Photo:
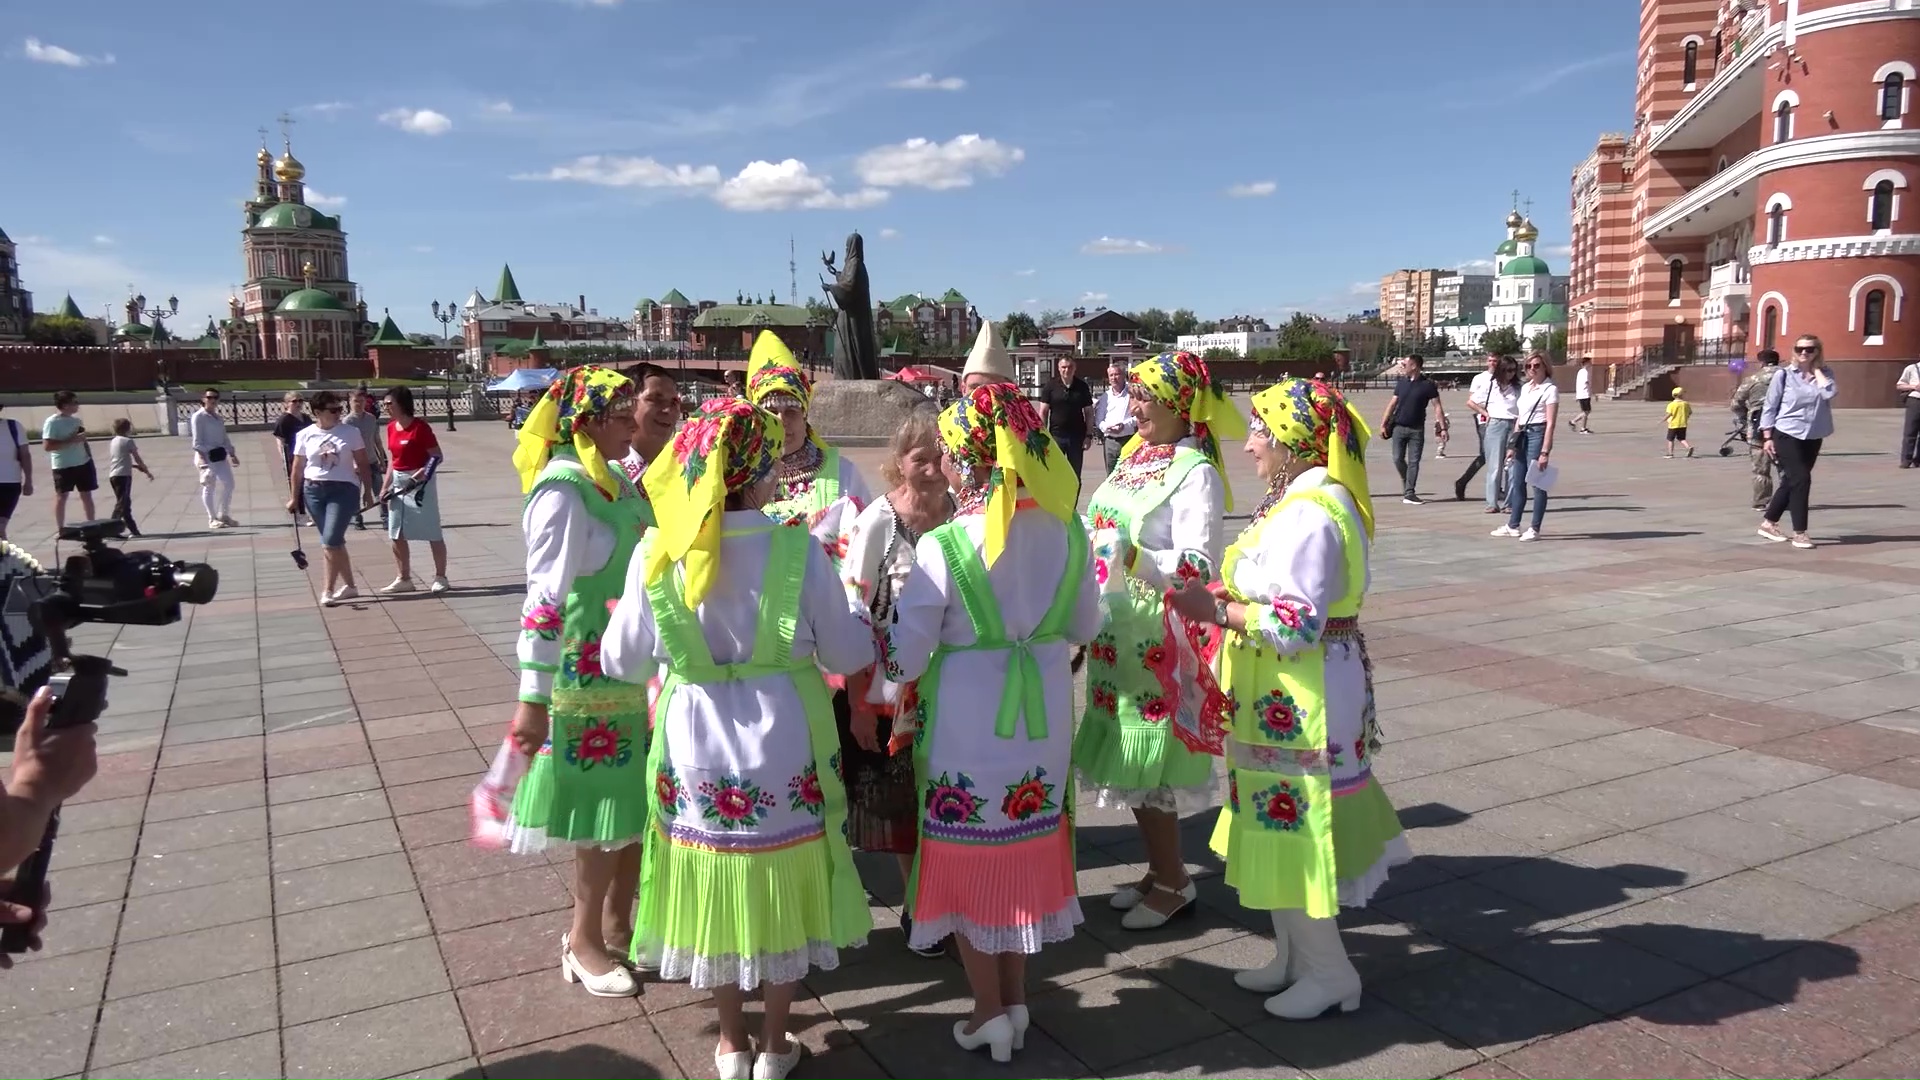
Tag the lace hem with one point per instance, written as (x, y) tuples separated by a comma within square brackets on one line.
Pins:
[(1052, 929), (1171, 800), (529, 840), (1358, 891), (746, 972)]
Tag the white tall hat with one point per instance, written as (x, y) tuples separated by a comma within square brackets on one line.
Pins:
[(989, 356)]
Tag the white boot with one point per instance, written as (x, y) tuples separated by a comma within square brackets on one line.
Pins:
[(1326, 976), (1279, 972)]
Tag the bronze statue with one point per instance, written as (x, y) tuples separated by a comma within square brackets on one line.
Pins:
[(857, 357)]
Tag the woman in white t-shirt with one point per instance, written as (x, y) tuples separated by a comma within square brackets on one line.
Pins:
[(330, 467), (16, 469), (1537, 409)]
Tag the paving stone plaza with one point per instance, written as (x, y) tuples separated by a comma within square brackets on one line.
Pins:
[(1662, 779)]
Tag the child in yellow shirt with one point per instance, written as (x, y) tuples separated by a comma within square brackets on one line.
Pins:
[(1679, 411)]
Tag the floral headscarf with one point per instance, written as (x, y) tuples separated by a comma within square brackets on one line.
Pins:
[(729, 446), (578, 395), (996, 426), (775, 379), (1320, 427), (1181, 382)]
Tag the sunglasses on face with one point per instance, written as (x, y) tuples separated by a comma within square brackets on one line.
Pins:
[(1806, 350)]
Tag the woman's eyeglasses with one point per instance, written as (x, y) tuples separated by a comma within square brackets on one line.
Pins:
[(1806, 350)]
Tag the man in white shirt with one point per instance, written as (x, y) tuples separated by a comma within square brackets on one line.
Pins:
[(213, 456), (1111, 415), (1477, 393), (1583, 395), (1909, 387)]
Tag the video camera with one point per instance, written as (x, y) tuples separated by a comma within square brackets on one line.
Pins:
[(38, 607)]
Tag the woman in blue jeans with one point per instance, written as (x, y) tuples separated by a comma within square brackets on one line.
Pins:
[(1496, 403), (330, 468), (1538, 409)]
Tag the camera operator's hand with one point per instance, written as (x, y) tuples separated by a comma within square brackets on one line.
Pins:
[(34, 918), (530, 727), (49, 767)]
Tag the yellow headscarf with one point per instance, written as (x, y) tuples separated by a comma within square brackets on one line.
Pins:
[(579, 394), (1321, 427), (773, 374), (1181, 382), (729, 446), (997, 427)]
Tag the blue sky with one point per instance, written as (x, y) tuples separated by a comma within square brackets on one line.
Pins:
[(1249, 157)]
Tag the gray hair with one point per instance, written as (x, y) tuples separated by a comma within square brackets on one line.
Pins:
[(921, 428)]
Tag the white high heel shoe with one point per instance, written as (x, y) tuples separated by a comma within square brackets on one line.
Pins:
[(1021, 1021), (615, 983), (1278, 974), (996, 1035), (1128, 897), (1143, 917), (1327, 976)]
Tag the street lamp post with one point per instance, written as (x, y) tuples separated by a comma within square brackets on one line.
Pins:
[(446, 317), (159, 315)]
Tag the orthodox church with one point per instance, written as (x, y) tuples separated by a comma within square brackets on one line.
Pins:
[(298, 302), (1527, 297)]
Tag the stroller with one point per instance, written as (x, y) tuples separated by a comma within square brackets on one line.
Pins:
[(1744, 428)]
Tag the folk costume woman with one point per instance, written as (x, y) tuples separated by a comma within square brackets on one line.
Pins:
[(1307, 829), (986, 621), (586, 733), (749, 880), (1153, 726), (817, 486)]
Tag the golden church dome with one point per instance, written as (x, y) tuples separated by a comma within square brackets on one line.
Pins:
[(1527, 231), (288, 168), (1514, 220), (264, 157)]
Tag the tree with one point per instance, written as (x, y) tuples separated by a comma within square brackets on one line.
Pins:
[(61, 330), (1155, 325), (1183, 323), (1020, 325), (1433, 345), (1501, 341), (1551, 342), (1301, 339), (1048, 318), (1220, 352)]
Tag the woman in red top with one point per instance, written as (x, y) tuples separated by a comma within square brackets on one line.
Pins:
[(413, 507)]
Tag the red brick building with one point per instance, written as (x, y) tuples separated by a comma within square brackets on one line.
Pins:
[(1598, 303), (1771, 165)]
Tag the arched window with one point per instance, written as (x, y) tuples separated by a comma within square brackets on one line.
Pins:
[(1770, 326), (1783, 105), (1690, 66), (1880, 208), (1891, 95), (1776, 224), (1675, 270), (1874, 315)]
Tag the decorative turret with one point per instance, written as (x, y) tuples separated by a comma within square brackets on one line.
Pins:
[(507, 292), (69, 309)]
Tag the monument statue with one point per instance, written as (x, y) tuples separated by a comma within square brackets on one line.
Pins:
[(857, 357)]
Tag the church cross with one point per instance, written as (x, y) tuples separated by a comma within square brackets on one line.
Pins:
[(263, 135), (1528, 203), (286, 124), (1516, 198)]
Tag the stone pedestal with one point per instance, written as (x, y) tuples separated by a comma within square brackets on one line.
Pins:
[(862, 410)]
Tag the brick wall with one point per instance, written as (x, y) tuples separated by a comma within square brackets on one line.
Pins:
[(33, 368)]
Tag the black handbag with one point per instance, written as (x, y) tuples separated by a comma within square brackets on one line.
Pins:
[(1515, 441), (218, 453)]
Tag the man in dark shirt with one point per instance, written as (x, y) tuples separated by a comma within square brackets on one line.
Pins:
[(1066, 404), (1405, 423)]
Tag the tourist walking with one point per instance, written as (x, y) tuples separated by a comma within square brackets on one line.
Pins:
[(123, 457), (1066, 407), (1113, 414), (587, 734), (1583, 396), (998, 597), (1405, 422), (365, 419), (1796, 420), (16, 470), (1909, 388), (1152, 725), (1679, 411), (878, 717), (411, 496), (330, 477), (213, 459), (818, 486), (292, 420), (1538, 409), (1749, 398), (69, 458), (750, 882), (1307, 829), (1491, 393)]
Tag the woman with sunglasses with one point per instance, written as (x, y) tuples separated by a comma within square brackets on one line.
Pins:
[(1538, 409), (328, 473), (1796, 419)]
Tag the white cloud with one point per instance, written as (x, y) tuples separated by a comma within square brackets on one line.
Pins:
[(1257, 190), (325, 202), (103, 240), (417, 121), (936, 166), (608, 170), (926, 81), (1364, 288), (1029, 272), (1475, 266), (43, 53), (98, 279), (789, 185), (1116, 245), (424, 249), (326, 108), (498, 108), (1559, 251), (1031, 301), (889, 233), (1093, 297)]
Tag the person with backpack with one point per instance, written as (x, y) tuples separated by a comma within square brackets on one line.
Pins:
[(16, 469)]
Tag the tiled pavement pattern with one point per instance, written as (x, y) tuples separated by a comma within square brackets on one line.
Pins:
[(1663, 780)]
